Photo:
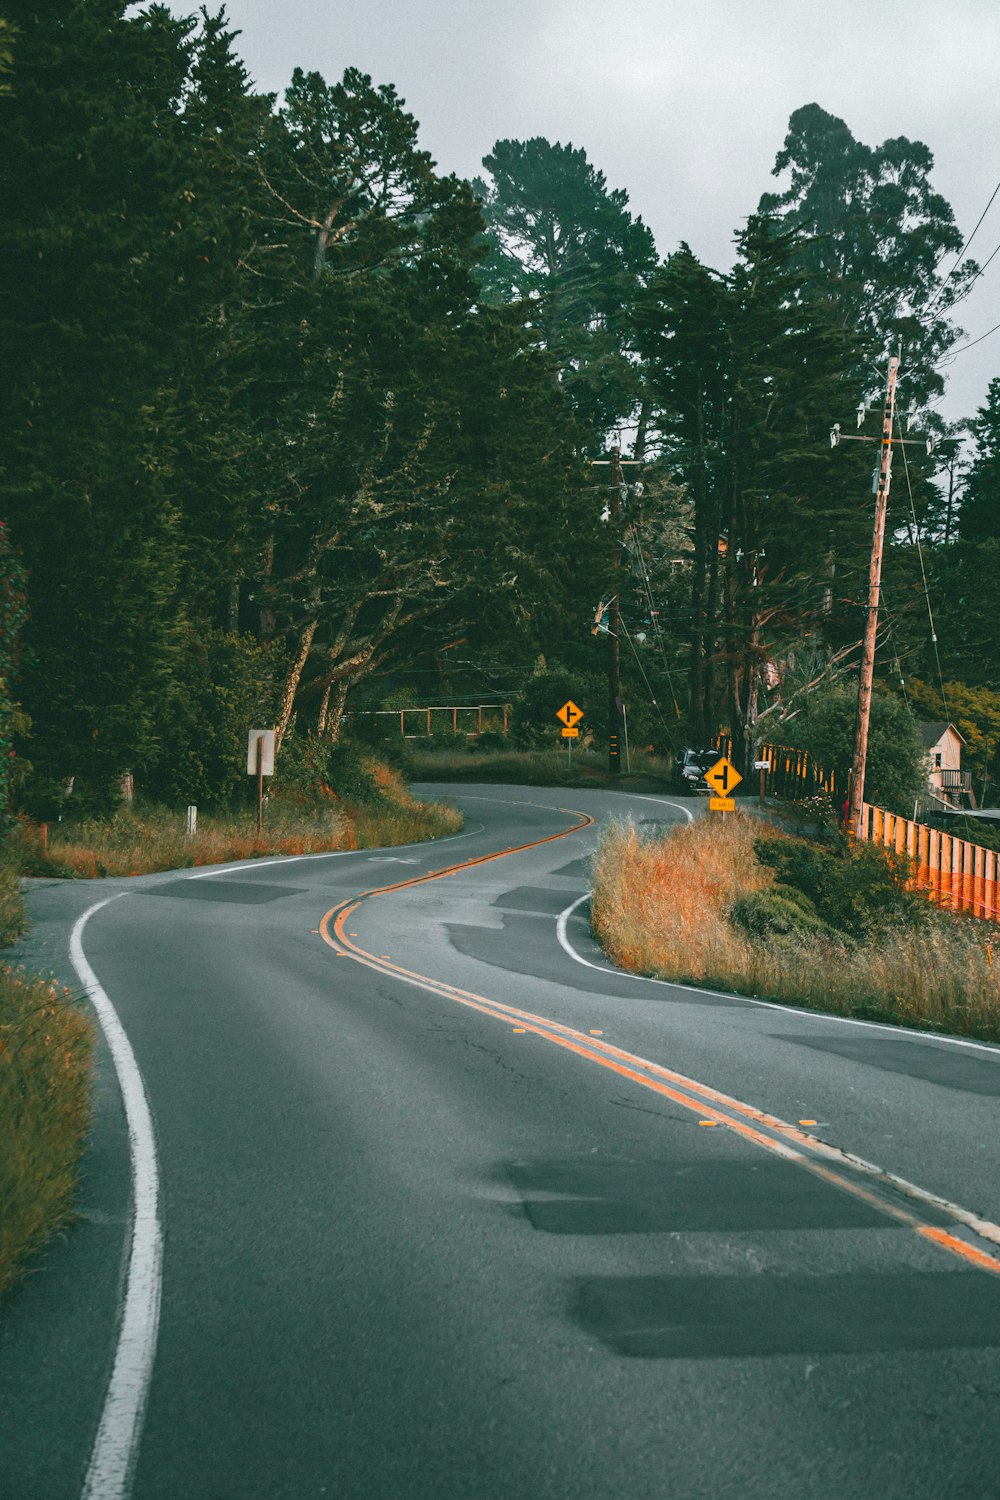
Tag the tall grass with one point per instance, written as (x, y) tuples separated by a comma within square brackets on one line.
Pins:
[(46, 1044), (660, 907), (140, 841)]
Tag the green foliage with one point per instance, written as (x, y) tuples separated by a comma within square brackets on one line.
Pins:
[(224, 685), (824, 725), (742, 374), (312, 769), (876, 236), (13, 611), (979, 518), (534, 722), (858, 890), (778, 911), (567, 249)]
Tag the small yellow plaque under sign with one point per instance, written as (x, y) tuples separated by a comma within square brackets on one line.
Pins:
[(722, 804), (571, 734)]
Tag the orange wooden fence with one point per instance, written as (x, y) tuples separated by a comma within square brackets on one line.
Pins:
[(963, 876)]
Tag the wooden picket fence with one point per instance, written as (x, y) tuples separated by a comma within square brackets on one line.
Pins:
[(791, 773), (955, 873)]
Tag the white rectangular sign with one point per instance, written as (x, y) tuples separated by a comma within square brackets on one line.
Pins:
[(265, 738)]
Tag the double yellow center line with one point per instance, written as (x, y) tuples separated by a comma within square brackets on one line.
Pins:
[(764, 1130)]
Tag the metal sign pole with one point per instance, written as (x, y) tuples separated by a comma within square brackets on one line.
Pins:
[(260, 786)]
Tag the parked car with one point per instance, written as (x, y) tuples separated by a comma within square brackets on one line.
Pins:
[(689, 769)]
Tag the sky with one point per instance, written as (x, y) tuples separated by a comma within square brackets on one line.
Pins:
[(683, 103)]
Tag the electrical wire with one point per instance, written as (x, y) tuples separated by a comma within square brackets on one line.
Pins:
[(653, 613), (923, 573), (963, 250), (954, 353), (642, 669)]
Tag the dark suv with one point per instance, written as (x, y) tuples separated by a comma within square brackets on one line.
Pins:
[(690, 767)]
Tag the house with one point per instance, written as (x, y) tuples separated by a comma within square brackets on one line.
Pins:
[(946, 781)]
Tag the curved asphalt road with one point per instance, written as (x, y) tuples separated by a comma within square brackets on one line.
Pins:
[(443, 1218)]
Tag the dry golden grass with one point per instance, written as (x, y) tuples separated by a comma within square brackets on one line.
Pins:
[(46, 1044), (140, 842), (660, 907)]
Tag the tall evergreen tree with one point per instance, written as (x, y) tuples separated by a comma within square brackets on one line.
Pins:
[(568, 248), (875, 234), (979, 518)]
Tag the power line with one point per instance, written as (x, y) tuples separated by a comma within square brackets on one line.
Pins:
[(953, 353), (963, 250), (923, 573)]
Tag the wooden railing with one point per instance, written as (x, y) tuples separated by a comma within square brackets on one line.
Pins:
[(956, 874)]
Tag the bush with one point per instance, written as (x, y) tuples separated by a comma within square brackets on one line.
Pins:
[(778, 911), (856, 889)]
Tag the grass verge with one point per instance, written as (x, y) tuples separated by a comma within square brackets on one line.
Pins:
[(46, 1046), (527, 767), (661, 906), (140, 841)]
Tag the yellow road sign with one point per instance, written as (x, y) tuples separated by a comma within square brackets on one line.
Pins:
[(723, 777), (569, 713), (721, 804), (571, 734)]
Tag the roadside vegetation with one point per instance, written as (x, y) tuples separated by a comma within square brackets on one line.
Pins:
[(736, 905), (46, 1036), (348, 800), (46, 1048), (538, 767)]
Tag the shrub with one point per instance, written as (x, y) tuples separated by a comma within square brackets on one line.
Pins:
[(856, 889), (777, 911)]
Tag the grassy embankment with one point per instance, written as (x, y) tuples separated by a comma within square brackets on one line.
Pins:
[(696, 906), (47, 1036), (443, 761), (140, 841)]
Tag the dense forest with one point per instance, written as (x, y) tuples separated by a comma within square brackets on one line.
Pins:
[(296, 426)]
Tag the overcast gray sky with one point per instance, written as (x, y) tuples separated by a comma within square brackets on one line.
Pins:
[(683, 103)]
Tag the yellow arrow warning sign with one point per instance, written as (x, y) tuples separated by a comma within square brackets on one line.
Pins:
[(723, 777), (569, 713)]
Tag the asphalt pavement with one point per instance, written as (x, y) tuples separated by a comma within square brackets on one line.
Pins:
[(446, 1207)]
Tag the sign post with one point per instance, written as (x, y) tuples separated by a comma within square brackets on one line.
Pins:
[(260, 763), (570, 716)]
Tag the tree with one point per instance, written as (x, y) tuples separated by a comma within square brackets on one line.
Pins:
[(120, 244), (874, 237), (743, 372), (568, 249), (411, 452), (895, 772), (979, 517)]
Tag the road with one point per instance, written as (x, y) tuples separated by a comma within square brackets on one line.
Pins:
[(445, 1207)]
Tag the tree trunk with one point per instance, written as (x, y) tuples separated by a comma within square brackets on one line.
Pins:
[(292, 682)]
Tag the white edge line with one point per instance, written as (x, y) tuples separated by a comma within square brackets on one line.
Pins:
[(292, 859), (793, 1010), (116, 1444), (983, 1227)]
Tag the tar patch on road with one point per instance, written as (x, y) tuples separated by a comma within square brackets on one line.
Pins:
[(541, 899), (733, 1317), (239, 892), (951, 1068), (722, 1197)]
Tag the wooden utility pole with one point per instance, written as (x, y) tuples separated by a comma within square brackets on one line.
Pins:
[(874, 591), (614, 623)]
